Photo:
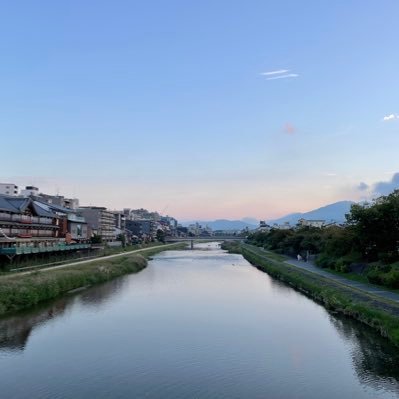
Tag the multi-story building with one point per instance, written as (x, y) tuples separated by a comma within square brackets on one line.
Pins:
[(198, 230), (263, 227), (8, 189), (70, 203), (143, 214), (120, 220), (311, 223), (26, 227), (72, 226), (30, 191), (142, 228), (100, 221)]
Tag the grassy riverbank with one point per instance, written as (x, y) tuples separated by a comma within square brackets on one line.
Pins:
[(382, 315), (23, 291)]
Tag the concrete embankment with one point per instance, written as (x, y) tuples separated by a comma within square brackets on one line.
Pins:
[(380, 314), (24, 290)]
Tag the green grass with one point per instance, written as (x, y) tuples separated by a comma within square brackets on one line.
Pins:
[(381, 315), (23, 291), (233, 247)]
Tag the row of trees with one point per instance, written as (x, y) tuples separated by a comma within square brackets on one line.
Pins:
[(370, 236)]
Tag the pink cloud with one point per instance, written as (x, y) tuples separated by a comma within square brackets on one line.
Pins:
[(289, 128)]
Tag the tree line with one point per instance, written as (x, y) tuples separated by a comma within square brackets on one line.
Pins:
[(367, 244)]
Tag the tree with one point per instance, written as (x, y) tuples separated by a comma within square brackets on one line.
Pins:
[(122, 238), (161, 235), (96, 239), (376, 227)]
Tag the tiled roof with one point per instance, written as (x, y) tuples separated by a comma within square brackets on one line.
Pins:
[(19, 205), (13, 204)]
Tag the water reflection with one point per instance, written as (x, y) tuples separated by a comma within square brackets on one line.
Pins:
[(375, 360), (194, 324), (15, 330)]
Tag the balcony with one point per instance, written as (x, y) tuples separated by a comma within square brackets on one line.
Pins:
[(25, 219)]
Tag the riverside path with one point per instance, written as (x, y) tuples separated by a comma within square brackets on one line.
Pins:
[(370, 289), (97, 259)]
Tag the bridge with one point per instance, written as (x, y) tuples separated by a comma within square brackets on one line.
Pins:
[(211, 238), (191, 240)]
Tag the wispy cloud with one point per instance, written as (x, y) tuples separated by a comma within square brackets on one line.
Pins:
[(288, 75), (390, 117), (278, 71)]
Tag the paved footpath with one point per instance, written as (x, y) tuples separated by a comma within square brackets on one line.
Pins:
[(369, 288), (98, 259)]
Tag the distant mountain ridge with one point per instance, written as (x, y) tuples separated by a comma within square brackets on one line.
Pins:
[(335, 212), (224, 224)]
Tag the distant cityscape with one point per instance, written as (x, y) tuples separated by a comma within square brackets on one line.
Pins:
[(33, 222)]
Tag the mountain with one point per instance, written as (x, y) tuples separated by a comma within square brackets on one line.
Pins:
[(224, 224), (252, 221), (335, 211)]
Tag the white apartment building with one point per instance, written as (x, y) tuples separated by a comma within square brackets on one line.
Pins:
[(8, 189)]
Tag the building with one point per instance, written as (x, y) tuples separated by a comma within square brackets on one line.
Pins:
[(8, 189), (263, 227), (120, 220), (26, 228), (30, 191), (284, 226), (142, 228), (197, 230), (143, 214), (100, 222), (69, 203), (311, 223), (72, 226)]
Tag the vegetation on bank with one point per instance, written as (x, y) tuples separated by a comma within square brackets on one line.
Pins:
[(233, 247), (382, 315), (367, 245), (23, 291), (37, 261)]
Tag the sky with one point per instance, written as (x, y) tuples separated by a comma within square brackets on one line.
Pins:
[(202, 110)]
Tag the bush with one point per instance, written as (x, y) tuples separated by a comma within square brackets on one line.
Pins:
[(388, 257), (391, 279), (342, 265), (325, 261)]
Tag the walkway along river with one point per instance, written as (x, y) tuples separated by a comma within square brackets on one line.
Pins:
[(193, 324)]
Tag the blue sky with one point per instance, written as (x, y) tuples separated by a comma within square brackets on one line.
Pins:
[(154, 104)]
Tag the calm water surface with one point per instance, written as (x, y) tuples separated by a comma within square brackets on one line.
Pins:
[(194, 324)]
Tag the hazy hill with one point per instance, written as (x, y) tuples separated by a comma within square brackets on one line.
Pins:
[(335, 211)]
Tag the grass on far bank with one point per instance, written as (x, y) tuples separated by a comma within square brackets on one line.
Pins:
[(23, 291)]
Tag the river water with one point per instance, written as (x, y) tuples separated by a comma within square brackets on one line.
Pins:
[(194, 324)]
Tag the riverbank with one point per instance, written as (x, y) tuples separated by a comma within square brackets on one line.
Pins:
[(24, 290), (382, 315)]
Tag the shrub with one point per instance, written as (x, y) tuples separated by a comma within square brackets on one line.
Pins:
[(391, 279)]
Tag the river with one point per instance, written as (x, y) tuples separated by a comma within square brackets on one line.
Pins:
[(194, 324)]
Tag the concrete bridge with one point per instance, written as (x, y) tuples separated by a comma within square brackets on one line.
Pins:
[(212, 238), (191, 240)]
